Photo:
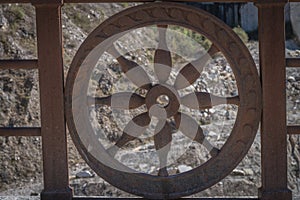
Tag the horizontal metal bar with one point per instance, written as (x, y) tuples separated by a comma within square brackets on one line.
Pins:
[(18, 64), (105, 1), (293, 62), (109, 198), (15, 1), (20, 131), (293, 130), (116, 1)]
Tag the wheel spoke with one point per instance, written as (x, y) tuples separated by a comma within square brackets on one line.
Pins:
[(190, 128), (204, 100), (136, 127), (121, 100), (191, 71), (162, 56), (162, 141), (135, 73)]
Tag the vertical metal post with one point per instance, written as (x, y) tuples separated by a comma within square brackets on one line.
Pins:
[(273, 126), (51, 80)]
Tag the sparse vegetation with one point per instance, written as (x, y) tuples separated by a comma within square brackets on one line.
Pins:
[(241, 33), (85, 17), (17, 26), (18, 11), (200, 39)]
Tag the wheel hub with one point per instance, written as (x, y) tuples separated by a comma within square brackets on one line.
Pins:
[(162, 101)]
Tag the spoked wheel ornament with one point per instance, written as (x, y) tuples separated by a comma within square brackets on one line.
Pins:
[(162, 100)]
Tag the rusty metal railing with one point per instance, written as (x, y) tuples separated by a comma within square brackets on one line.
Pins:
[(20, 131), (293, 62), (18, 64), (293, 130)]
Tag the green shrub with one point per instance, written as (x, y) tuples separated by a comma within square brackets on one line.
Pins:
[(203, 41), (18, 11), (241, 33)]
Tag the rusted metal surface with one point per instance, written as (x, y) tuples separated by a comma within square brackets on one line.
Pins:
[(20, 131), (53, 130), (273, 125), (18, 64), (15, 1), (109, 1), (293, 62), (293, 130), (116, 1), (120, 1), (223, 161), (111, 198)]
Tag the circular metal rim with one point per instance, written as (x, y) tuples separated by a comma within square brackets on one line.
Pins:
[(247, 121)]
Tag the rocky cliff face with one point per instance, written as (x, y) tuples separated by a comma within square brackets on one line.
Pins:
[(20, 157)]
